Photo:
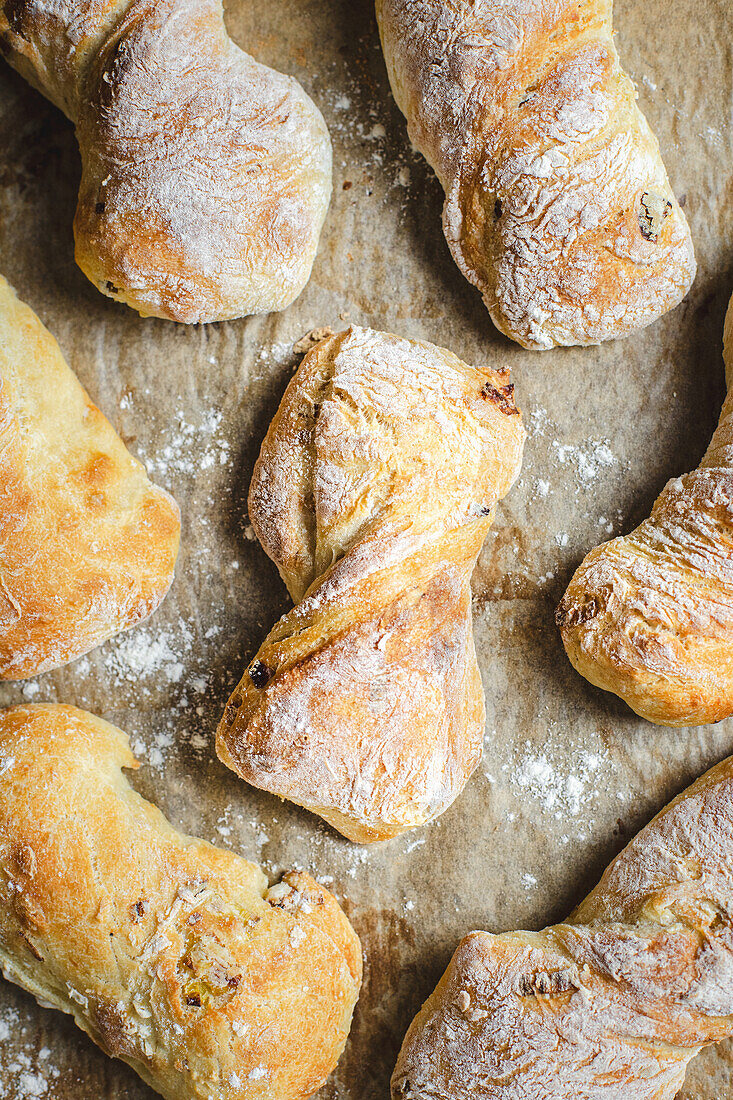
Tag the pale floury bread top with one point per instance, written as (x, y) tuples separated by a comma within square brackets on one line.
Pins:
[(87, 544), (558, 207), (613, 1003), (374, 490), (206, 176), (172, 954)]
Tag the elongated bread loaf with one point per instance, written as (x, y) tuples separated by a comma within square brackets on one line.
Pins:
[(205, 175), (649, 615), (87, 544), (373, 493), (610, 1005), (171, 954), (558, 207)]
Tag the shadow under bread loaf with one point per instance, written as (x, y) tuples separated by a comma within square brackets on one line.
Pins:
[(649, 615), (173, 955), (374, 490), (558, 207), (613, 1003), (205, 176), (87, 544)]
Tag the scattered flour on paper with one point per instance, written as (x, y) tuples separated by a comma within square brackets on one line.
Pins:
[(589, 458), (563, 779), (347, 128), (24, 1076), (190, 447)]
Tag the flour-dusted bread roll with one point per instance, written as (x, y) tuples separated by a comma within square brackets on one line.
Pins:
[(610, 1005), (87, 544), (558, 207), (373, 492), (205, 175), (649, 615), (171, 954)]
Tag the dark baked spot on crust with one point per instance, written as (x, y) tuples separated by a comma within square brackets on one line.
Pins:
[(502, 397), (13, 12), (569, 615), (654, 209), (112, 1032), (139, 910), (259, 674), (32, 948)]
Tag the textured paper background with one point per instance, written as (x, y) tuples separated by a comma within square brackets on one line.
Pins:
[(569, 774)]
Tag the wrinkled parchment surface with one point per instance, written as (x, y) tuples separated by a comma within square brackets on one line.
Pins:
[(569, 774)]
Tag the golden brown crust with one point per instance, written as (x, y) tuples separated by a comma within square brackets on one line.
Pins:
[(87, 544), (172, 954), (611, 1004), (373, 492), (558, 207), (649, 616), (205, 175)]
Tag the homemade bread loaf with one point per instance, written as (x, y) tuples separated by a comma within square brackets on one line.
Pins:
[(87, 544), (205, 175), (173, 955), (649, 615), (558, 207), (373, 493), (613, 1003)]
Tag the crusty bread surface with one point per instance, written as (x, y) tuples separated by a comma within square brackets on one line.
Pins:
[(613, 1003), (373, 492), (87, 544), (173, 955), (649, 615), (558, 206), (206, 176)]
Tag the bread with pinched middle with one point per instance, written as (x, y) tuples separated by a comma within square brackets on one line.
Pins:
[(87, 544), (558, 207), (206, 176), (611, 1004), (173, 955), (373, 493)]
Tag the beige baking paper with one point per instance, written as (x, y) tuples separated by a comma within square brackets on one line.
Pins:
[(568, 774)]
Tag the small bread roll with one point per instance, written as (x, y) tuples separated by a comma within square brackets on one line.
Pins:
[(611, 1004), (649, 615), (87, 544), (171, 954), (375, 488), (558, 206), (205, 176)]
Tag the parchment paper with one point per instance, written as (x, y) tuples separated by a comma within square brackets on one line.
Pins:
[(569, 774)]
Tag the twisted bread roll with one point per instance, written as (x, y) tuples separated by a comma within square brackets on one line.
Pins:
[(613, 1003), (650, 616), (171, 954), (205, 175), (374, 490), (558, 207), (87, 544)]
